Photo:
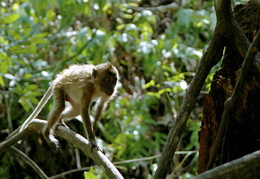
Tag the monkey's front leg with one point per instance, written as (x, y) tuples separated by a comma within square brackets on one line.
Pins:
[(89, 130), (87, 125)]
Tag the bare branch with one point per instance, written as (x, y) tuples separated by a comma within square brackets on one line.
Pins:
[(211, 56), (248, 165), (227, 23), (13, 138), (100, 159), (63, 174), (172, 6), (30, 162)]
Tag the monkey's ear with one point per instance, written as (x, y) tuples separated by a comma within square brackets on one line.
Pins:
[(94, 73), (110, 66)]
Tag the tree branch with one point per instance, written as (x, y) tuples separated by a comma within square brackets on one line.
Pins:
[(229, 26), (211, 56), (100, 159), (172, 6), (244, 167), (30, 162), (226, 31)]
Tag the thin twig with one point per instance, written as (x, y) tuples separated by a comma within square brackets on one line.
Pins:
[(172, 6), (121, 162), (30, 162), (63, 174)]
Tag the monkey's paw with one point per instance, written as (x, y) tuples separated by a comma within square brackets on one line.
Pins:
[(51, 140)]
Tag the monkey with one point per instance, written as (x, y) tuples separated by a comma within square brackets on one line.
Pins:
[(78, 86)]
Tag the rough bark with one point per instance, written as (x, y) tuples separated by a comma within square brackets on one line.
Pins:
[(242, 135)]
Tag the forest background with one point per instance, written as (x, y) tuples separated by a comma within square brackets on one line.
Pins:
[(155, 45)]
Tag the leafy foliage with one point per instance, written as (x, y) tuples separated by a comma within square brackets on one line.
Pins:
[(156, 53)]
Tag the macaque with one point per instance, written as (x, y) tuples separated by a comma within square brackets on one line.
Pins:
[(79, 86)]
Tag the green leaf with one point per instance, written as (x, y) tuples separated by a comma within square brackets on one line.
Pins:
[(89, 175), (27, 76), (2, 83), (157, 95), (3, 41), (91, 170), (120, 27), (31, 87), (128, 16), (18, 49), (149, 84), (26, 7), (16, 36), (32, 49), (50, 14), (24, 103), (33, 99), (10, 19), (38, 40), (160, 92), (133, 4), (5, 62), (41, 35), (18, 90)]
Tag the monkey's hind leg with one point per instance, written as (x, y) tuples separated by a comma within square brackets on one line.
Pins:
[(72, 110), (58, 107)]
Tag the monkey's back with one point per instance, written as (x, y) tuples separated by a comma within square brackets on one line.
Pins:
[(74, 80)]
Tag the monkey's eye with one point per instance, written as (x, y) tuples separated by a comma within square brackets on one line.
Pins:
[(111, 79)]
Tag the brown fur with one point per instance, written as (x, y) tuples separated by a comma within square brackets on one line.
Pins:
[(79, 85)]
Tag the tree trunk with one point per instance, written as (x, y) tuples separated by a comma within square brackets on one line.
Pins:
[(242, 134)]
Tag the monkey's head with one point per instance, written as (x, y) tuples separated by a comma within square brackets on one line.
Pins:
[(107, 77)]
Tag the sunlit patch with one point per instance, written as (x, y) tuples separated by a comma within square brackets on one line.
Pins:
[(183, 85)]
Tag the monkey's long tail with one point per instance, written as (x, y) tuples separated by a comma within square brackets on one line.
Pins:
[(38, 108)]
